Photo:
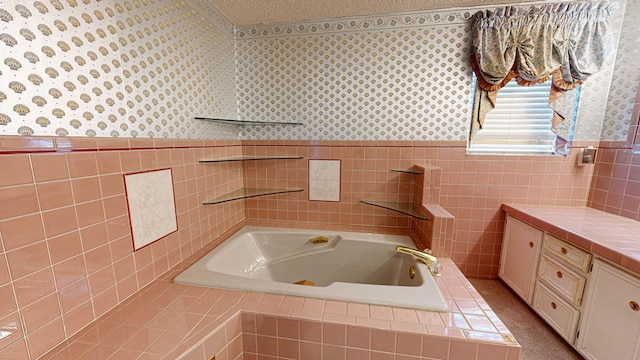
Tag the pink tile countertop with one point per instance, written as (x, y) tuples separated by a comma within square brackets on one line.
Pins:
[(613, 237), (170, 321)]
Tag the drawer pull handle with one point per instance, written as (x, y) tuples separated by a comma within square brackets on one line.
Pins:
[(553, 305), (634, 306), (530, 244), (563, 251), (559, 274)]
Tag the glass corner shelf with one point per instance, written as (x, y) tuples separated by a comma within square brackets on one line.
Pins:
[(409, 171), (245, 122), (248, 158), (404, 208), (245, 193)]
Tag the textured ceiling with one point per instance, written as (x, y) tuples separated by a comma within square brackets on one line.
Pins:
[(250, 12)]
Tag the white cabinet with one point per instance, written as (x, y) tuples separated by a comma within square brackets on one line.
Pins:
[(567, 253), (558, 313), (593, 305), (610, 327), (559, 289), (560, 285), (519, 257), (565, 282)]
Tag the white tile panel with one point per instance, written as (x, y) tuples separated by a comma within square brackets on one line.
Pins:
[(152, 209)]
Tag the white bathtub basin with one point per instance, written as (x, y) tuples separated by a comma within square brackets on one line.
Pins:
[(354, 267)]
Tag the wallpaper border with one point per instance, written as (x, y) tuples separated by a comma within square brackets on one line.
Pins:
[(438, 17)]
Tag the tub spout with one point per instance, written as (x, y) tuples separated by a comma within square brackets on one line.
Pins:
[(431, 261)]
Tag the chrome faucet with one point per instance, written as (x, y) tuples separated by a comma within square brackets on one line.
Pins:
[(428, 259)]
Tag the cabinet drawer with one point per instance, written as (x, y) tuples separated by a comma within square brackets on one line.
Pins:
[(558, 313), (567, 253), (564, 281)]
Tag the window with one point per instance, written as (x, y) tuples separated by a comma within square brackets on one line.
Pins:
[(520, 123)]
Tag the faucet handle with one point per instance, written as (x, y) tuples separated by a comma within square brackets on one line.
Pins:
[(436, 268)]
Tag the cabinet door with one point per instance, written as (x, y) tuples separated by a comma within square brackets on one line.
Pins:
[(519, 257), (610, 328)]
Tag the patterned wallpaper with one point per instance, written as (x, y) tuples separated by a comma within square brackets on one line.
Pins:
[(111, 68), (395, 77), (145, 68), (626, 77)]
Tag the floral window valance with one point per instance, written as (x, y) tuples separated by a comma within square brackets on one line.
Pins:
[(569, 41)]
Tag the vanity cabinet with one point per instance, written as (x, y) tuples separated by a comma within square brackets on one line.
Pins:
[(560, 282), (519, 257), (610, 327), (592, 304)]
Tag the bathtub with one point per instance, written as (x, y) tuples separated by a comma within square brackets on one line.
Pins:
[(352, 267)]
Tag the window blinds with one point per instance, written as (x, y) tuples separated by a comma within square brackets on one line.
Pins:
[(520, 123)]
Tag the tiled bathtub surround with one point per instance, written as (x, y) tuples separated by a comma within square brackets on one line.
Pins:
[(437, 232), (182, 322), (66, 255)]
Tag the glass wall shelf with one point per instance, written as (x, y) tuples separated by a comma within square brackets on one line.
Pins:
[(404, 208), (248, 158), (245, 193), (246, 122), (406, 171)]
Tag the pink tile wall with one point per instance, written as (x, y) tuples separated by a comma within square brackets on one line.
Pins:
[(365, 175), (66, 251), (472, 188), (436, 233), (616, 183)]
